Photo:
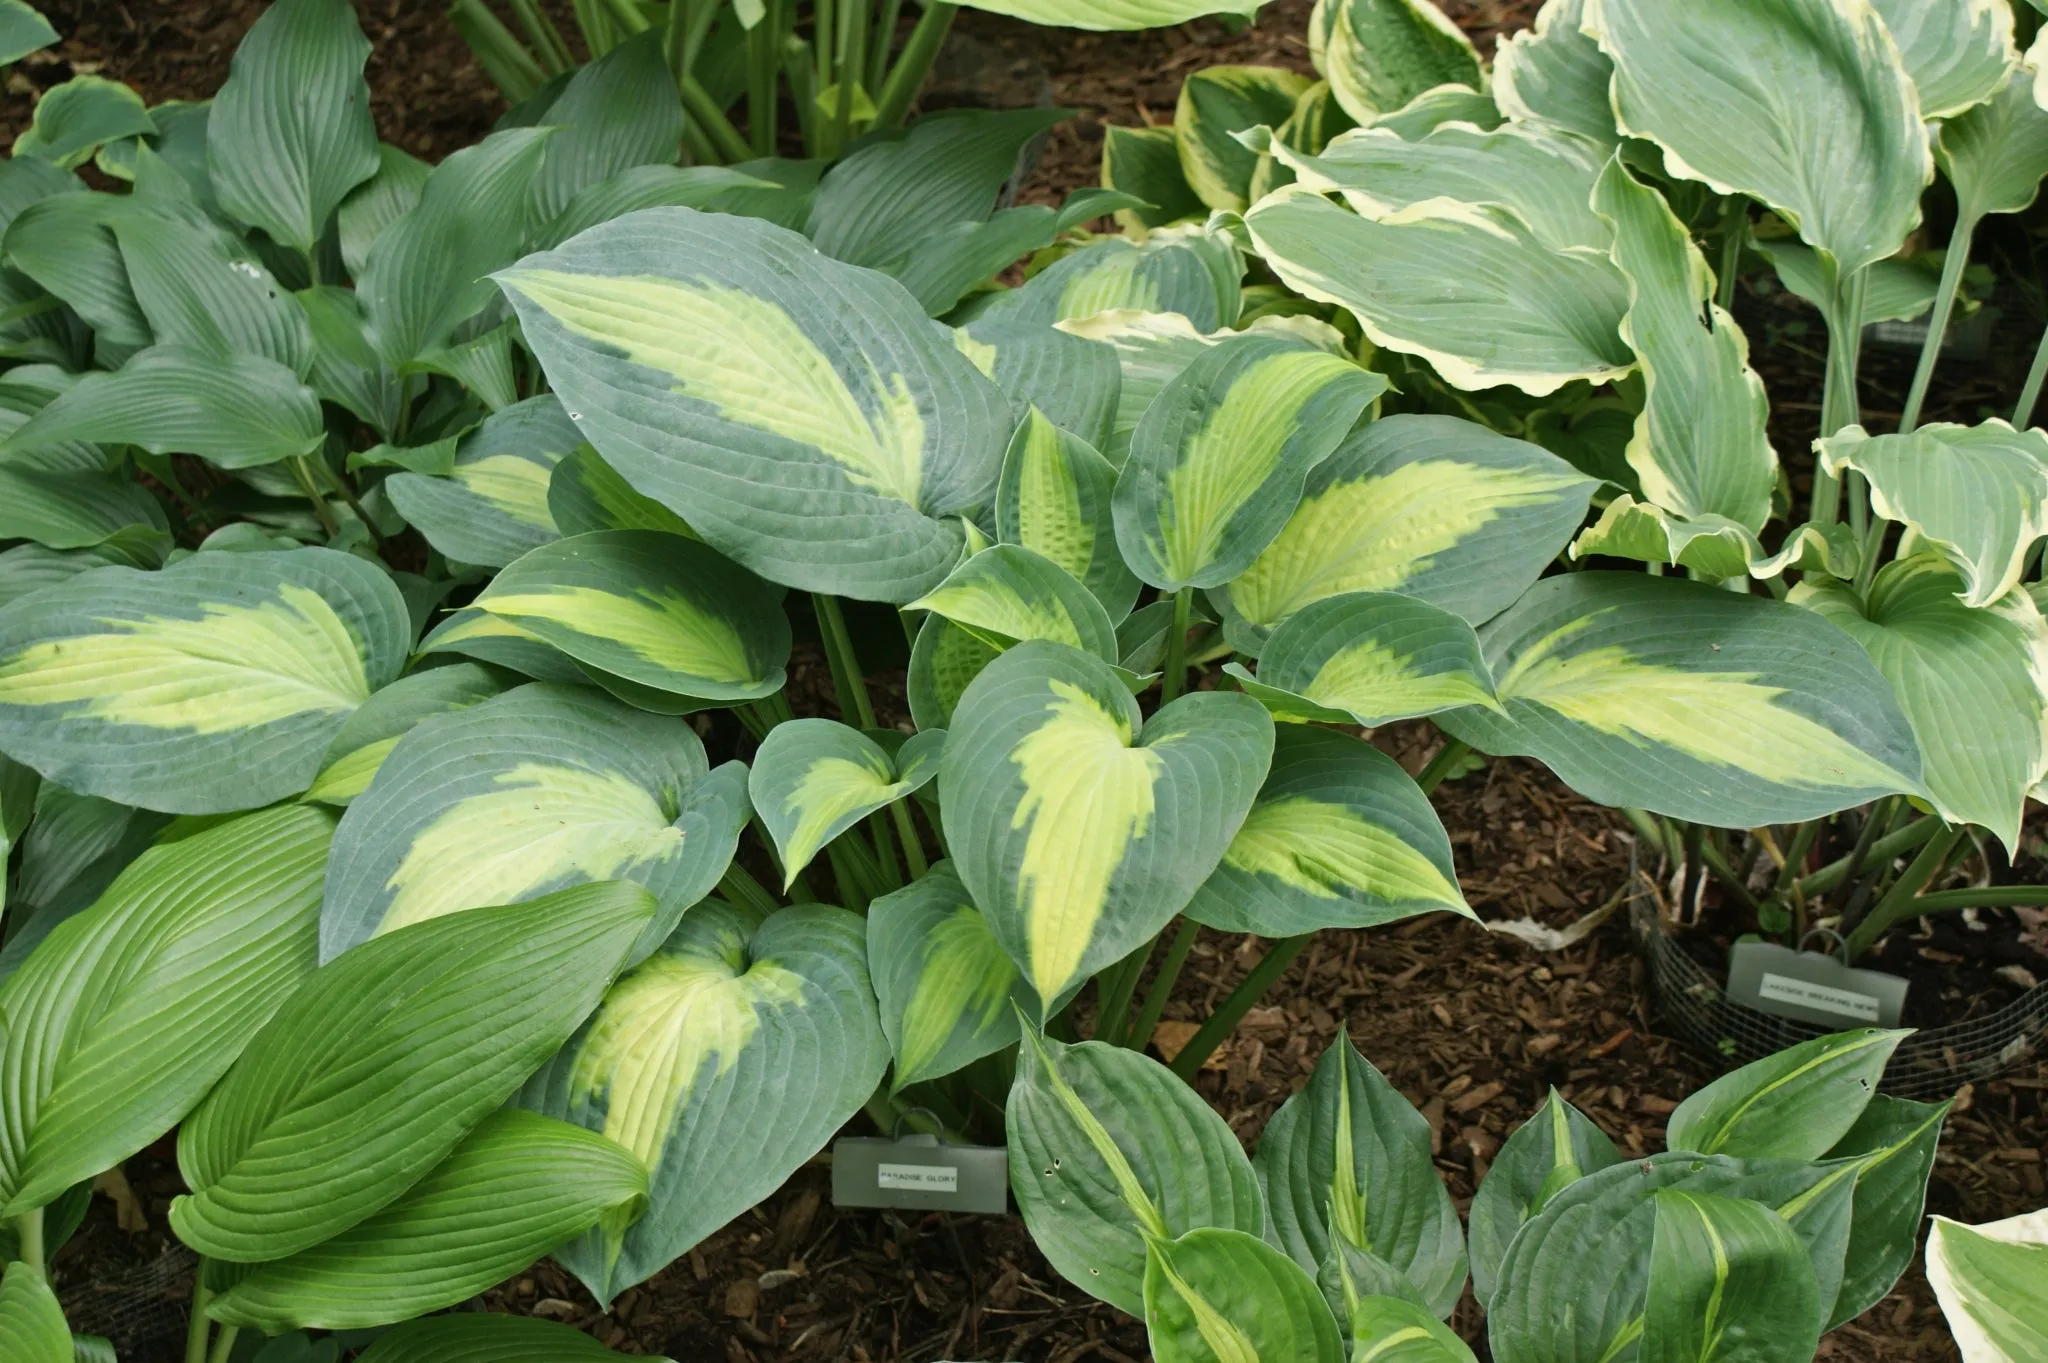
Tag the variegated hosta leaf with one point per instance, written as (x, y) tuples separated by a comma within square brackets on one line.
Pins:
[(1979, 493), (1380, 54), (1369, 658), (370, 734), (1116, 15), (1145, 161), (1216, 1296), (1957, 54), (1109, 1150), (943, 660), (1973, 682), (1054, 499), (540, 788), (1188, 270), (1008, 593), (1699, 448), (1800, 103), (1713, 546), (1988, 1280), (585, 494), (724, 1061), (1434, 507), (1042, 368), (1553, 73), (949, 995), (651, 607), (1894, 1143), (1218, 459), (1078, 835), (1347, 1159), (815, 778), (1792, 1104), (1217, 102), (1728, 1278), (210, 686), (1468, 287), (474, 633), (1695, 702), (1546, 1154), (802, 415), (493, 505), (1392, 1330), (1996, 153)]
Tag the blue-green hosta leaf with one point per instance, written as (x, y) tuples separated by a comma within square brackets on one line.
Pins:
[(478, 634), (1468, 287), (1695, 702), (723, 1061), (290, 133), (651, 607), (75, 119), (1188, 270), (1074, 384), (1895, 1141), (237, 411), (1996, 153), (203, 290), (540, 788), (69, 856), (1800, 103), (943, 660), (1713, 546), (1547, 1154), (1078, 835), (1008, 593), (1430, 506), (1729, 1283), (384, 1059), (650, 186), (1339, 837), (377, 202), (1894, 290), (946, 987), (1117, 15), (1054, 499), (1699, 448), (1390, 1330), (345, 369), (1218, 460), (1553, 73), (585, 494), (23, 30), (804, 416), (127, 1013), (1794, 1104), (1979, 493), (1369, 658), (1217, 102), (1216, 1296), (1988, 1281), (1957, 55), (63, 243), (813, 779), (493, 505), (517, 1186), (32, 1325), (1110, 1150), (615, 113), (72, 508), (1347, 1159), (1146, 162), (369, 735), (1973, 682), (211, 686), (476, 1337), (1380, 54)]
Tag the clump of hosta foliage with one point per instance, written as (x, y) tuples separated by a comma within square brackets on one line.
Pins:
[(410, 804)]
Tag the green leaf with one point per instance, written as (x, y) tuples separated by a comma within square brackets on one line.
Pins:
[(493, 505), (1995, 153), (1188, 270), (1553, 73), (646, 186), (1217, 102), (126, 1014), (1368, 658), (1894, 290), (1219, 1296), (1714, 547), (1895, 1141), (203, 291), (836, 468), (723, 1061), (1433, 507), (75, 119), (1729, 1283), (540, 788), (1988, 1281), (944, 659), (1110, 1151), (518, 1185), (478, 634), (219, 681), (1547, 1154), (946, 987), (1698, 703), (379, 1065), (32, 1326), (1338, 837), (63, 243), (813, 779), (471, 1337), (23, 30), (1978, 493), (1146, 162), (290, 133), (1700, 448), (346, 369), (72, 508), (1218, 460), (1957, 55), (377, 202), (585, 494), (1074, 383), (70, 855), (1795, 1104), (1380, 54), (1390, 1330), (1054, 499), (1117, 15), (358, 750), (616, 113), (1078, 835), (1799, 103), (1008, 593)]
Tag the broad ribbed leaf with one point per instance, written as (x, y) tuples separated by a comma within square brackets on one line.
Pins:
[(32, 1326), (1714, 547), (478, 634), (585, 494), (615, 113), (1054, 499), (378, 202), (946, 987), (1430, 506), (1369, 658), (1988, 1281), (1109, 1150), (1800, 103), (1038, 366), (1895, 1140), (1553, 73), (1338, 837), (290, 133), (802, 415), (69, 856), (1692, 701), (470, 1337), (1145, 161), (23, 30), (72, 508), (1218, 1296), (1729, 1283), (1218, 102), (1117, 14), (358, 750), (813, 779), (1217, 461), (540, 788), (63, 243), (943, 660), (1547, 1154), (126, 1014), (1957, 54), (1008, 593), (1078, 835), (1380, 54), (382, 1061), (1187, 270), (517, 1186), (203, 291), (345, 368), (75, 119), (1390, 1330), (493, 504), (211, 686), (1792, 1105), (653, 186), (723, 1062)]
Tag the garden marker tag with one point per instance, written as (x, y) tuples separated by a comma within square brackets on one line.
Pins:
[(920, 1172), (1811, 987)]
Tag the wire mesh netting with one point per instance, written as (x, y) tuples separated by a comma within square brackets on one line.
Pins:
[(142, 1309)]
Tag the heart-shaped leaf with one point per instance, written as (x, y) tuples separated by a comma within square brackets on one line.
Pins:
[(1546, 1154), (946, 987), (493, 504), (1214, 1295), (1369, 658), (813, 779), (1054, 499), (1008, 593), (359, 749), (1794, 1104)]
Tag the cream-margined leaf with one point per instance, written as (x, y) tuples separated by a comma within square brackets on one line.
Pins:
[(1117, 14), (1994, 152), (1145, 161), (367, 738), (1215, 103), (1956, 54), (1987, 1279), (1054, 499), (812, 779), (1380, 54), (1368, 658), (1008, 593), (1214, 1295), (1553, 73), (493, 503)]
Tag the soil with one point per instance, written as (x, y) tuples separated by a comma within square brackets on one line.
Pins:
[(1473, 1027)]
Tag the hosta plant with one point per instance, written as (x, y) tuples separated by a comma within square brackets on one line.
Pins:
[(1992, 1283)]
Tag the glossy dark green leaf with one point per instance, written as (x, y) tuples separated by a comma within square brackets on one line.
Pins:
[(1216, 1296), (1547, 1154), (1729, 1283), (1894, 1140), (469, 1337), (1794, 1104)]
